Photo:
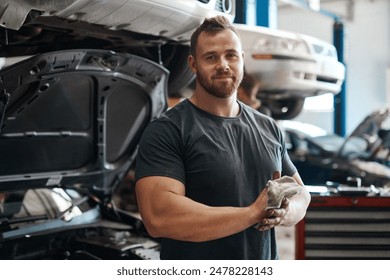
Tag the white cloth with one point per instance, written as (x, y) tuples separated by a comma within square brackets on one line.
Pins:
[(280, 188)]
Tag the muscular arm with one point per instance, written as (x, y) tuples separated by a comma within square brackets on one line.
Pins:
[(167, 212)]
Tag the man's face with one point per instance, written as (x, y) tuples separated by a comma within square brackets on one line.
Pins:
[(219, 63)]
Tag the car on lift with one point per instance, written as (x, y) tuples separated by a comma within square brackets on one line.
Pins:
[(290, 67), (158, 30), (93, 75)]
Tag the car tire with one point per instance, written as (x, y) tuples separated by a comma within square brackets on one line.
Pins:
[(174, 58), (180, 74), (285, 109)]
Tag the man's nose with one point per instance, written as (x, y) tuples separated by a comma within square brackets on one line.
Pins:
[(222, 65)]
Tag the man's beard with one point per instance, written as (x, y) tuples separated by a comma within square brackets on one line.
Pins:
[(220, 89)]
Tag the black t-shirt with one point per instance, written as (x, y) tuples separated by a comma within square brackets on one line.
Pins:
[(222, 162)]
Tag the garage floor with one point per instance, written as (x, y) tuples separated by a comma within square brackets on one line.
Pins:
[(286, 242)]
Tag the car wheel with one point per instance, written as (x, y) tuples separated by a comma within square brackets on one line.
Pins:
[(174, 58), (285, 109), (180, 73)]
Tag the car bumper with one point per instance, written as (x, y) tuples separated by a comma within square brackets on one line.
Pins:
[(304, 78)]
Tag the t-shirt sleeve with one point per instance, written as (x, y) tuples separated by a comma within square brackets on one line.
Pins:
[(160, 152), (289, 168)]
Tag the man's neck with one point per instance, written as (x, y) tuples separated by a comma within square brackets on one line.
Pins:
[(223, 107)]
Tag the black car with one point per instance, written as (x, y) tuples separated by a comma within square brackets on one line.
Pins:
[(70, 125), (362, 159)]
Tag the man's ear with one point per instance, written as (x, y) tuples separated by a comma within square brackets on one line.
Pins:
[(192, 64)]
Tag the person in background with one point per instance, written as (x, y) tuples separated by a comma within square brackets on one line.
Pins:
[(247, 93), (203, 166)]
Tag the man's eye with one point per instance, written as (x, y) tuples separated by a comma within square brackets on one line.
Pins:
[(232, 55), (211, 57)]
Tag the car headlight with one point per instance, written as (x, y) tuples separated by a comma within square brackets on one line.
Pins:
[(280, 47), (325, 50)]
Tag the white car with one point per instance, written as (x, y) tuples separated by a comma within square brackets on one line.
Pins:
[(290, 67), (169, 19), (155, 29)]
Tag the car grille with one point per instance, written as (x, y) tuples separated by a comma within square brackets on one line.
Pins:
[(326, 79)]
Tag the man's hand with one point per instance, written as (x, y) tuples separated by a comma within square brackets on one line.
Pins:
[(273, 217)]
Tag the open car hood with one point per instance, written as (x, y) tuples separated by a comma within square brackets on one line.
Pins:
[(362, 158), (74, 118)]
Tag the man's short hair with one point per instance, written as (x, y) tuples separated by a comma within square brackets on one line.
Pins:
[(211, 25)]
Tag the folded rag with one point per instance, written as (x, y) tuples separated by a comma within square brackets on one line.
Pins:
[(280, 188)]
